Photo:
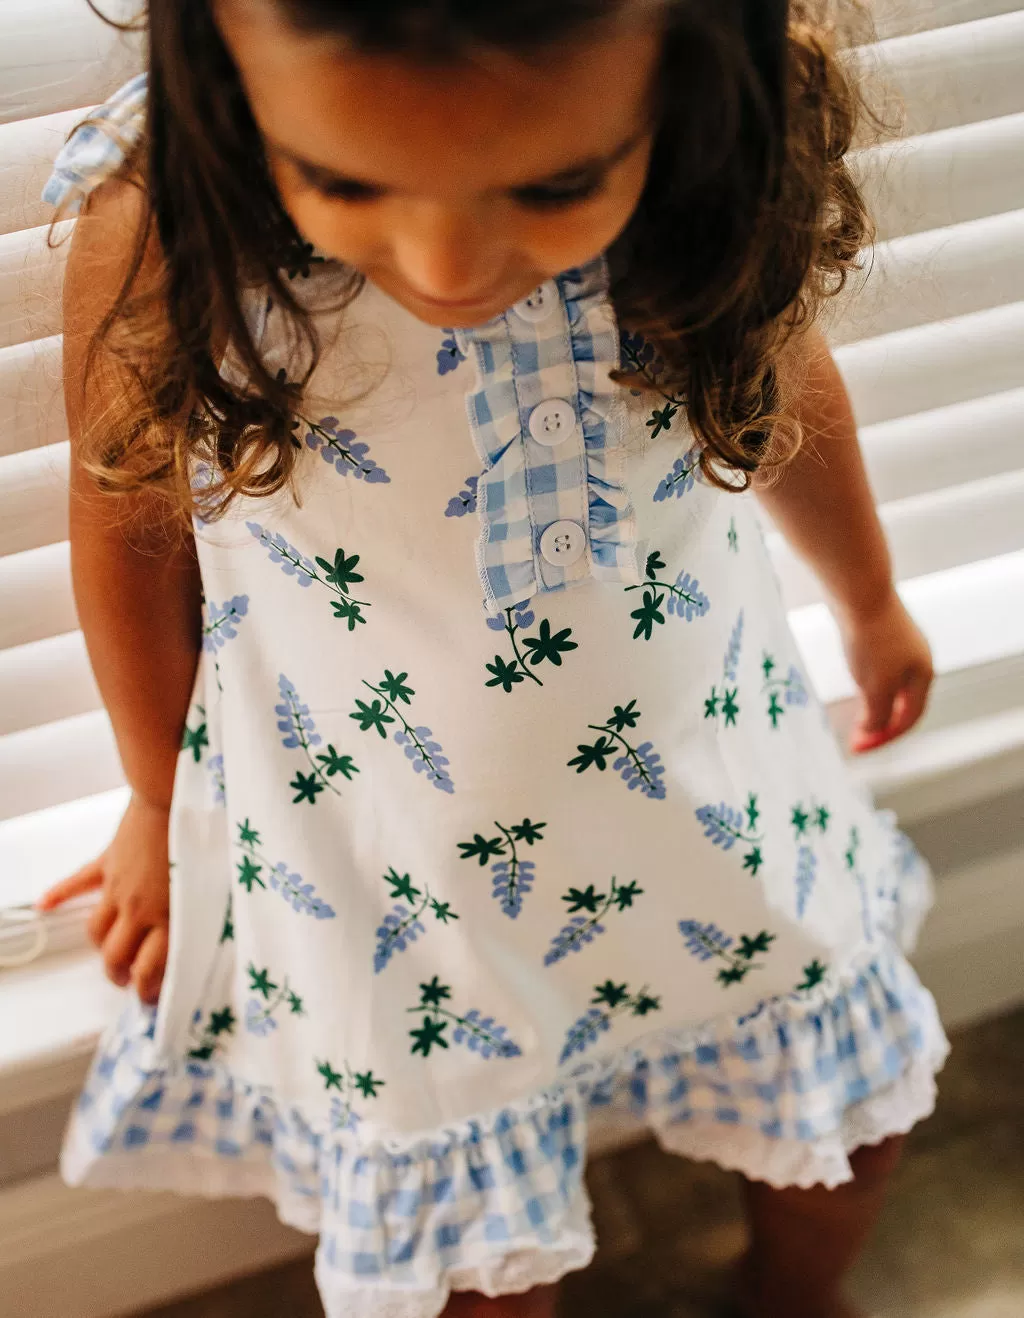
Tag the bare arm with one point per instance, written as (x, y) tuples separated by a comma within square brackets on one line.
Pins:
[(137, 595), (823, 505), (138, 598)]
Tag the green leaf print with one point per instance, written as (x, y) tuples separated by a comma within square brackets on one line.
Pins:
[(305, 786), (196, 739), (638, 766), (814, 974), (648, 615), (424, 754), (545, 647), (341, 572), (609, 1000), (334, 763), (228, 932), (707, 942), (206, 1041), (403, 924), (347, 1087), (782, 691), (582, 929), (512, 876), (261, 1011), (471, 1029), (374, 715), (548, 646), (661, 419), (336, 577), (685, 598), (732, 537)]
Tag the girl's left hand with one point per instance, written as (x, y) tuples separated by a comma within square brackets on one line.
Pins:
[(892, 665)]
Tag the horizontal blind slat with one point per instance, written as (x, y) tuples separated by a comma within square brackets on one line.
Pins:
[(34, 497), (57, 54), (945, 446), (32, 395), (931, 366), (894, 18), (951, 75), (929, 533), (31, 277), (28, 148), (933, 275), (39, 849), (942, 178), (44, 681), (35, 595), (56, 762)]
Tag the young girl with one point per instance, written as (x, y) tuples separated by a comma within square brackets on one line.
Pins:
[(457, 332)]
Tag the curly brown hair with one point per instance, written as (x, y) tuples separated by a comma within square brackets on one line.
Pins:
[(749, 220)]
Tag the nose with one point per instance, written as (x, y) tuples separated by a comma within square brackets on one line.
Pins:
[(448, 256)]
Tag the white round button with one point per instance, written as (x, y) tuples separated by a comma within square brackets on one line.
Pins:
[(539, 304), (563, 543), (553, 422)]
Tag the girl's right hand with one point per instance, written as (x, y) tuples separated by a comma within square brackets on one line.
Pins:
[(130, 922)]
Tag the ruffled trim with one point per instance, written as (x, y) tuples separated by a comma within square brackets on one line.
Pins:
[(95, 150), (497, 1203), (524, 487)]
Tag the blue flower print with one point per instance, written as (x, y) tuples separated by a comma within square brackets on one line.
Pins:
[(724, 702), (341, 450), (449, 355), (472, 1029), (791, 688), (707, 942), (852, 857), (403, 924), (221, 622), (806, 870), (582, 929), (346, 1088), (465, 501), (726, 826), (512, 876), (609, 1000), (338, 576), (680, 480), (421, 750), (215, 765), (296, 723), (299, 895), (685, 598), (638, 766), (261, 1010)]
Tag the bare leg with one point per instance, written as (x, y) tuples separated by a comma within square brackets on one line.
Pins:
[(804, 1241), (538, 1303)]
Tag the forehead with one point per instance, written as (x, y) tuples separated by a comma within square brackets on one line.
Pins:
[(485, 119)]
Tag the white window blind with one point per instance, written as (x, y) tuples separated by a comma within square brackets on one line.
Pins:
[(932, 350)]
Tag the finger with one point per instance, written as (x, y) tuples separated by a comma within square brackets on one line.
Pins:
[(88, 878), (100, 921), (150, 963), (910, 703), (121, 946), (876, 714)]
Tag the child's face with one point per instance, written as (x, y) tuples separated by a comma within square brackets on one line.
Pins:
[(456, 190)]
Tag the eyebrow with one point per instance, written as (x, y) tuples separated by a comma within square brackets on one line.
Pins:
[(595, 164)]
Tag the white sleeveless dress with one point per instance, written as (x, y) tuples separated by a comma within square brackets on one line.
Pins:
[(503, 795)]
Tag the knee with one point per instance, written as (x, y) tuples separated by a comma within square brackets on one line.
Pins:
[(874, 1163)]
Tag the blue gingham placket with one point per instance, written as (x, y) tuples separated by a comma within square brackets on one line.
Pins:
[(545, 362)]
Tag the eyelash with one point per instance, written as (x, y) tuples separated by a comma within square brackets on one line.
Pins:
[(538, 198)]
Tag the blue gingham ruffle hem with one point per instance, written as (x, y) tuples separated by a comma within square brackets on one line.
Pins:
[(497, 1204)]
